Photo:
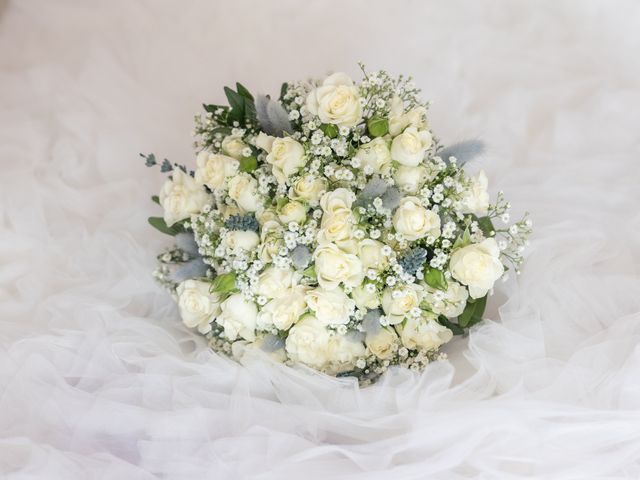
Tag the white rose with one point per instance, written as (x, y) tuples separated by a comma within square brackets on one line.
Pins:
[(331, 307), (309, 188), (335, 227), (375, 154), (198, 308), (233, 146), (337, 101), (476, 198), (271, 240), (449, 303), (383, 344), (337, 200), (264, 344), (284, 311), (370, 254), (345, 351), (238, 317), (411, 179), (264, 141), (414, 221), (409, 147), (181, 197), (309, 342), (243, 188), (293, 212), (287, 157), (333, 267), (238, 240), (478, 266), (213, 169), (365, 299), (266, 215), (274, 282), (396, 309), (424, 333)]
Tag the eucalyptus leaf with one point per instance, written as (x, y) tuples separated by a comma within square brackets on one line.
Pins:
[(486, 225)]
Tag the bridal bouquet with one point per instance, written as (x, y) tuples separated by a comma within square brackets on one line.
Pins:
[(329, 227)]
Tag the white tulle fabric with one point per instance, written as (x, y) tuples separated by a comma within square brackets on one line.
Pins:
[(98, 378)]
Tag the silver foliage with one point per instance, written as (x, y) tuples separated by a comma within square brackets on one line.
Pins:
[(273, 118)]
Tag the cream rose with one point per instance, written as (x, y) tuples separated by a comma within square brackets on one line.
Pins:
[(337, 101), (309, 189), (449, 303), (423, 332), (284, 311), (198, 308), (345, 351), (181, 197), (243, 188), (365, 299), (399, 120), (336, 227), (476, 198), (397, 307), (233, 146), (478, 266), (274, 281), (213, 169), (411, 179), (264, 141), (337, 200), (309, 342), (331, 307), (242, 240), (370, 254), (293, 212), (376, 155), (334, 266), (409, 147), (287, 157), (414, 221), (238, 318), (271, 240), (383, 344)]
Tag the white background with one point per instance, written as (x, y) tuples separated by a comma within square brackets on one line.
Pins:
[(98, 379)]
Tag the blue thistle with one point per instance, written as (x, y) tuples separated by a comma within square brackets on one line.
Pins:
[(242, 222), (413, 260)]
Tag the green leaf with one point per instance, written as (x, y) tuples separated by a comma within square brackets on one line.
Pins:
[(378, 126), (486, 226), (224, 283), (454, 327), (310, 271), (155, 199), (243, 91), (473, 312), (248, 164), (211, 108), (435, 278), (463, 240), (159, 224), (283, 90), (237, 102), (329, 129)]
